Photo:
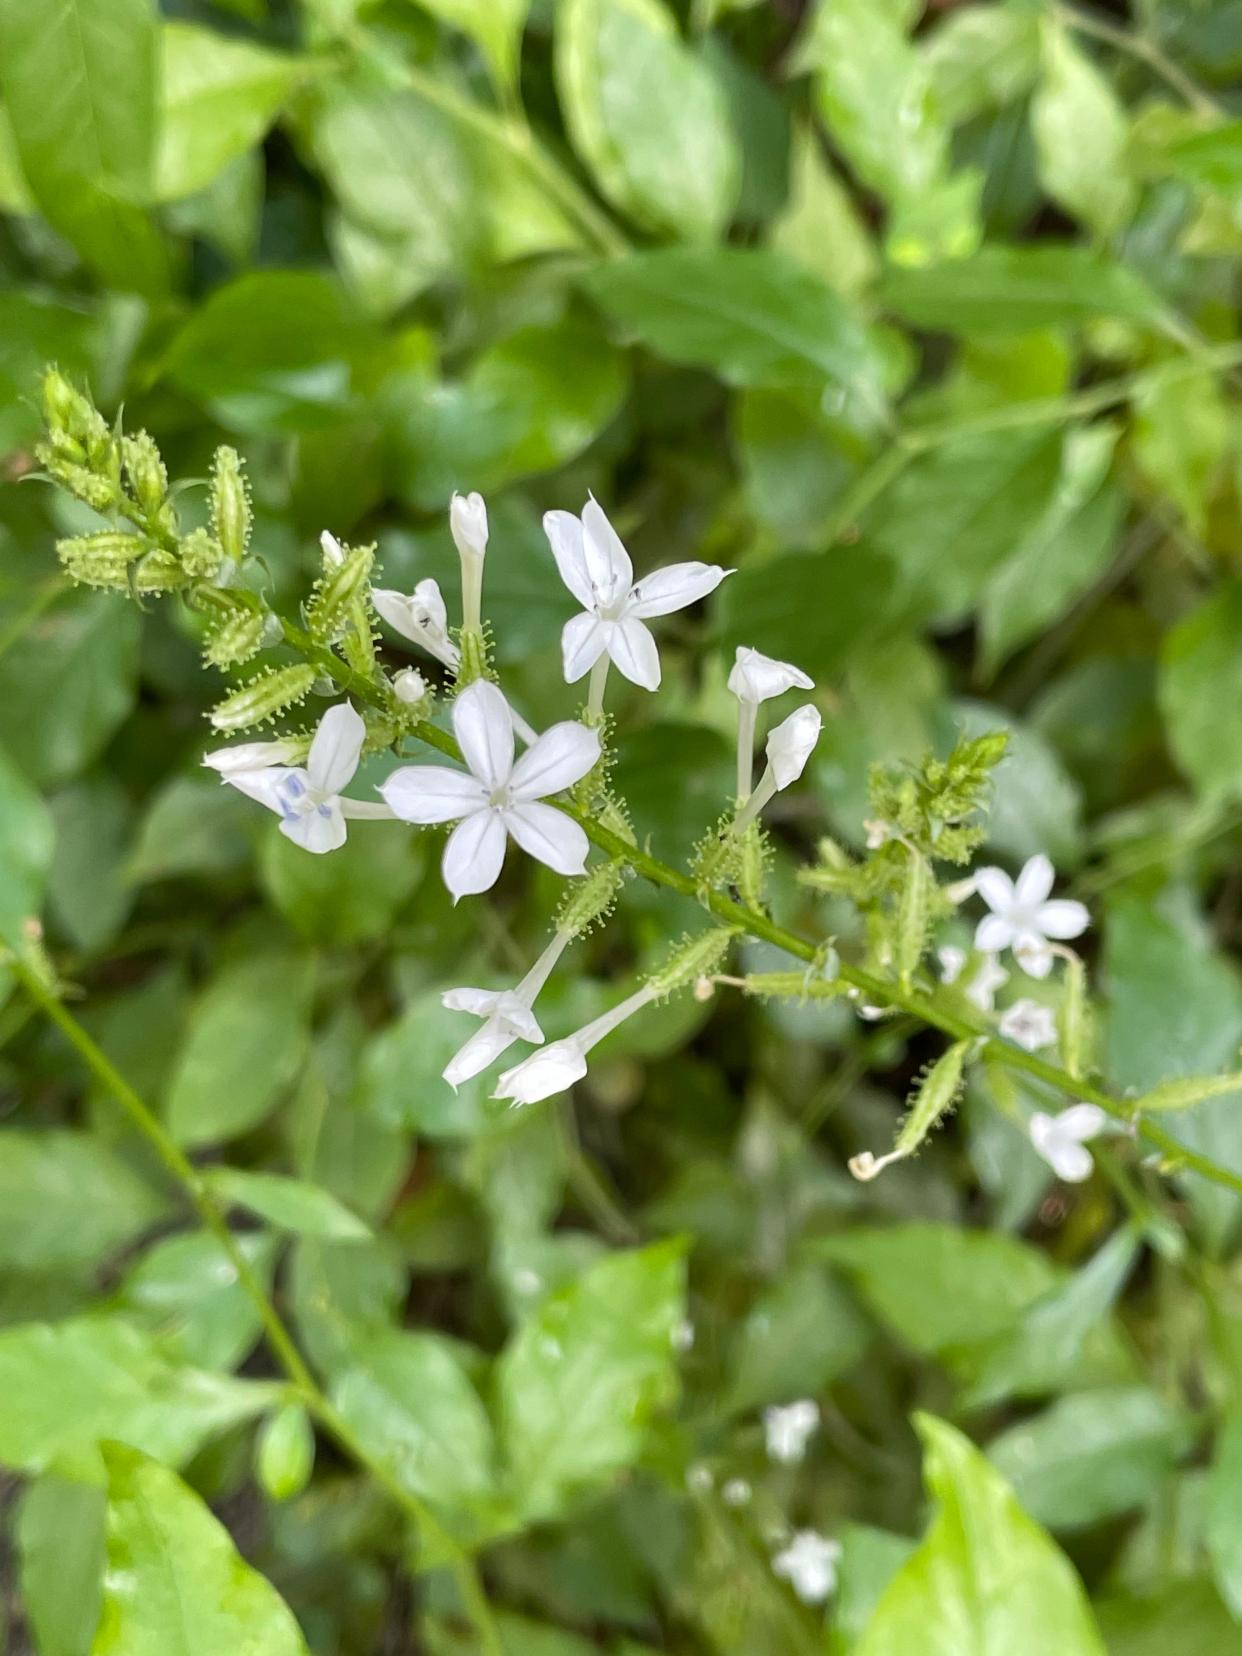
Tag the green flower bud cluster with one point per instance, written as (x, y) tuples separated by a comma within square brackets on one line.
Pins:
[(263, 697)]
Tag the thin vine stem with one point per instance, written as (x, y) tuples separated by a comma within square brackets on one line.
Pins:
[(284, 1347), (1138, 45)]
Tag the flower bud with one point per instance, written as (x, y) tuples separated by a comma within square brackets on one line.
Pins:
[(121, 561), (230, 504), (286, 1453), (145, 470), (468, 523), (201, 555), (549, 1070), (756, 677), (264, 697), (693, 958), (336, 591), (236, 639), (332, 550), (64, 407), (410, 687), (588, 900), (791, 744)]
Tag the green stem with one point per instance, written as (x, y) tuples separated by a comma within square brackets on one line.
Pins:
[(1146, 50), (184, 1173)]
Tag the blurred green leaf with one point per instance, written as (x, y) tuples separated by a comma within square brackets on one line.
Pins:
[(289, 1204), (579, 1380), (981, 57), (1182, 433), (1081, 133), (70, 1386), (156, 1601), (192, 826), (1201, 691), (799, 1335), (26, 842), (657, 138), (67, 1202), (1224, 1516), (246, 1039), (85, 891), (985, 1578), (1186, 1612), (185, 1290), (400, 1083), (1092, 1455), (497, 27), (353, 895), (60, 1537)]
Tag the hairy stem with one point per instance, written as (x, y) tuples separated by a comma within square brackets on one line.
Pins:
[(282, 1343)]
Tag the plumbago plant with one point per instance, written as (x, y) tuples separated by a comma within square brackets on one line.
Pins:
[(922, 937)]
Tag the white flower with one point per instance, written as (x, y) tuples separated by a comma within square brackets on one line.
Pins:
[(791, 744), (756, 677), (989, 976), (422, 617), (1061, 1139), (507, 1015), (736, 1493), (788, 1428), (809, 1565), (333, 551), (468, 523), (307, 800), (409, 686), (951, 959), (596, 568), (1029, 1025), (1022, 918), (498, 798), (554, 1069), (878, 833)]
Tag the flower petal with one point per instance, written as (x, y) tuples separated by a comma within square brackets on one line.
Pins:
[(251, 756), (432, 793), (1083, 1121), (482, 1002), (1034, 883), (792, 743), (1063, 918), (551, 1070), (263, 785), (996, 889), (336, 749), (1071, 1162), (608, 563), (320, 830), (564, 532), (559, 758), (474, 854), (634, 653), (584, 638), (1032, 953), (992, 934), (479, 1053), (675, 588), (366, 810), (483, 725), (755, 677), (550, 836)]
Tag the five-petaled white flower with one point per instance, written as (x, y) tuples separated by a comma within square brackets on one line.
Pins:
[(596, 568), (809, 1564), (755, 677), (1062, 1139), (1029, 1025), (498, 798), (422, 617), (788, 1428), (307, 798), (1022, 918), (507, 1015)]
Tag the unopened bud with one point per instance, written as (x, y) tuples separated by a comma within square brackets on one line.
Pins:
[(124, 562), (340, 585), (236, 639), (264, 697), (589, 900), (201, 555), (692, 959), (286, 1453), (230, 504), (409, 686), (145, 470), (65, 408)]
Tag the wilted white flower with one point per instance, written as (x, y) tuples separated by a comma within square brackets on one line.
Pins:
[(809, 1565), (1062, 1139), (507, 1015), (788, 1428), (1029, 1025), (409, 686), (422, 617), (554, 1069), (306, 799), (468, 523), (596, 568), (498, 798), (1022, 918), (756, 678)]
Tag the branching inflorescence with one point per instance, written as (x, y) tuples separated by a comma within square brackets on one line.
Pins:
[(550, 794)]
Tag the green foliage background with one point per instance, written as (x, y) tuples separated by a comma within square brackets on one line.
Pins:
[(927, 322)]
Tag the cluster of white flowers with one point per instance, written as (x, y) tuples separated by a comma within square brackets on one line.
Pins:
[(501, 795)]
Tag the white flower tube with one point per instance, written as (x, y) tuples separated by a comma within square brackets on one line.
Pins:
[(468, 523), (508, 1016), (789, 747), (555, 1068), (756, 678)]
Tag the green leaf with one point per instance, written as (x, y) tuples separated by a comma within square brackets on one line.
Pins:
[(69, 1386), (185, 1289), (352, 896), (193, 825), (1201, 692), (1017, 290), (246, 1039), (821, 229), (60, 1537), (174, 1583), (66, 685), (400, 1081), (527, 404), (26, 844), (412, 1405), (1184, 1615), (496, 25), (220, 95), (986, 1578), (980, 58), (68, 1202), (1081, 132), (751, 316), (35, 330), (579, 1380), (1212, 157), (935, 1286), (657, 138), (79, 79), (290, 1204), (1182, 433), (1092, 1455), (1224, 1512), (800, 1334), (86, 892)]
